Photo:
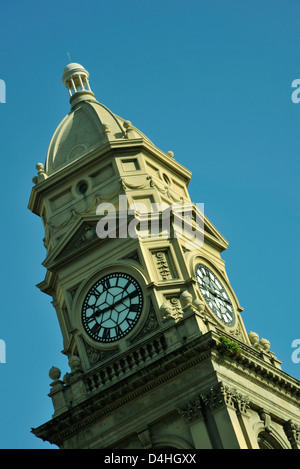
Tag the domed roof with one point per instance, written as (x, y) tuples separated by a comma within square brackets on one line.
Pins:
[(88, 126), (73, 66), (73, 69)]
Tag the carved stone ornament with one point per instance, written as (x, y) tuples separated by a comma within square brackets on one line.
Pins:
[(165, 312), (222, 395), (74, 363), (54, 373), (145, 438), (85, 235), (292, 430), (200, 307), (215, 398), (96, 356), (186, 299), (171, 310), (41, 174), (192, 410), (262, 345), (162, 265), (176, 308)]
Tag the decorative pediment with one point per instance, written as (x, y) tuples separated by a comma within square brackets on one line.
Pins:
[(81, 236), (199, 225), (211, 234)]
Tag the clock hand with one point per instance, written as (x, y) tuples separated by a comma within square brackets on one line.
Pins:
[(130, 295), (216, 294), (102, 311), (221, 297), (97, 313), (208, 287)]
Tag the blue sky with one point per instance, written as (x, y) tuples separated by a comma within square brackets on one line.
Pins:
[(209, 80)]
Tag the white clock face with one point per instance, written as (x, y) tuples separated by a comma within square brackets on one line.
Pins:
[(112, 307), (215, 294)]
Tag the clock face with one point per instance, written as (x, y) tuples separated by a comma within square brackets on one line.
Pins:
[(215, 294), (112, 307)]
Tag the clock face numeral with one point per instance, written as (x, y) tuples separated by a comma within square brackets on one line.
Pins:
[(106, 335), (215, 294), (95, 328), (112, 307)]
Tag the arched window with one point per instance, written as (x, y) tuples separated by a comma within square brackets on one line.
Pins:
[(267, 441)]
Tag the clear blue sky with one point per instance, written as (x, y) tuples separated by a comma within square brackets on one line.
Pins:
[(209, 80)]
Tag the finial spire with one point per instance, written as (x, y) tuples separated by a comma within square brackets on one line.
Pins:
[(76, 80)]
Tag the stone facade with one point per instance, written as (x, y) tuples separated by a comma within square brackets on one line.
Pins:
[(180, 378)]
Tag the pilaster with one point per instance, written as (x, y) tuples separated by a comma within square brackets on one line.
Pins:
[(193, 415)]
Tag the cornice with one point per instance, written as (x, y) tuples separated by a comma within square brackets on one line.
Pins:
[(124, 391), (252, 363), (72, 169), (159, 371)]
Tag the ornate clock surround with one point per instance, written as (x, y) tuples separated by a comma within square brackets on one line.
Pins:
[(125, 270), (228, 300)]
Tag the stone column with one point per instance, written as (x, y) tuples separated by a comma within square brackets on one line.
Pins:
[(192, 414), (220, 403), (244, 420)]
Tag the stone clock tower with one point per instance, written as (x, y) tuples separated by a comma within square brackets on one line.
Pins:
[(157, 351)]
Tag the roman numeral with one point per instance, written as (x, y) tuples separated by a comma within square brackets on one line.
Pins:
[(90, 319), (134, 308), (95, 329), (118, 330), (106, 334), (106, 283)]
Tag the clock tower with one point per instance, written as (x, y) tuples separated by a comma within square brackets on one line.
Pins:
[(156, 349)]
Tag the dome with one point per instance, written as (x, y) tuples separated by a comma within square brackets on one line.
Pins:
[(71, 70), (73, 66), (88, 126)]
